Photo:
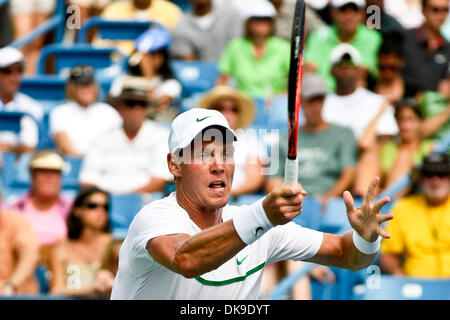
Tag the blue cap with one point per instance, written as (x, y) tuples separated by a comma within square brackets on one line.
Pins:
[(154, 39)]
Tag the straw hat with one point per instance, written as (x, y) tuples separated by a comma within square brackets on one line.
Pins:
[(47, 160), (245, 104)]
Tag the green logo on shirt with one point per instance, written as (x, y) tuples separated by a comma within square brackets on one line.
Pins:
[(240, 262), (200, 120)]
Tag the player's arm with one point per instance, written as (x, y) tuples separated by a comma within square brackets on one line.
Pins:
[(340, 250), (191, 256)]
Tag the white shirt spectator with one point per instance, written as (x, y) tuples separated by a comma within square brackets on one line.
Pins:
[(407, 12), (83, 125), (248, 149), (120, 165), (356, 110), (29, 130)]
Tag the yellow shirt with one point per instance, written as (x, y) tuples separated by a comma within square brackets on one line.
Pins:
[(161, 11), (422, 234)]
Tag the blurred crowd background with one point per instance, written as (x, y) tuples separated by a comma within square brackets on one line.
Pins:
[(88, 89)]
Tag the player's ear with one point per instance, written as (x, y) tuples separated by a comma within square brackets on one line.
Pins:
[(173, 163)]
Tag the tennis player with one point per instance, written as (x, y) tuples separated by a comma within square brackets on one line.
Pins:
[(193, 245)]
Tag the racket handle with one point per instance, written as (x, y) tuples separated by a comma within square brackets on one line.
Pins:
[(291, 172)]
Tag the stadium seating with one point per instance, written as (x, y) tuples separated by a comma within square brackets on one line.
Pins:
[(335, 218), (113, 29), (16, 176), (123, 209), (184, 5), (406, 288), (311, 216), (195, 76), (66, 56)]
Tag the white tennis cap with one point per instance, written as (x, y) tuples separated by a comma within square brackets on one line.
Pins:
[(186, 126), (259, 9), (9, 56), (341, 3), (345, 51)]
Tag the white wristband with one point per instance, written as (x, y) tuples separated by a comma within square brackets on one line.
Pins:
[(365, 246), (251, 222)]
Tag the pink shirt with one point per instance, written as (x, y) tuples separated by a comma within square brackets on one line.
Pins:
[(50, 225)]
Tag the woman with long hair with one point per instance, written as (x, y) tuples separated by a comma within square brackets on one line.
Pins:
[(75, 260)]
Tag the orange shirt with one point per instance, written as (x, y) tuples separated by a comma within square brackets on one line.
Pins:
[(15, 232)]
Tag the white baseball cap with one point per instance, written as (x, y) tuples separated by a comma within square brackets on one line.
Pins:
[(340, 51), (341, 3), (187, 125), (259, 9), (9, 56)]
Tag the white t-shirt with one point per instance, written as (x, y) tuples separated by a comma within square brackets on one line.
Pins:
[(141, 277), (83, 125), (29, 131), (116, 164), (247, 149), (356, 110)]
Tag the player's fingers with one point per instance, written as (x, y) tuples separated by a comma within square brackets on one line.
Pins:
[(287, 191), (370, 193), (380, 203), (385, 217), (349, 203), (383, 233), (291, 201)]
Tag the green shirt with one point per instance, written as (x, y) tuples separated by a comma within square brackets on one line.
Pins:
[(321, 157), (389, 153), (257, 77), (431, 104), (321, 42)]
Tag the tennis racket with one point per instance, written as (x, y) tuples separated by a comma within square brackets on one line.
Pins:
[(295, 90)]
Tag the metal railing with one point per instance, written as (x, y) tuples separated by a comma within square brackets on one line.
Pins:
[(56, 22)]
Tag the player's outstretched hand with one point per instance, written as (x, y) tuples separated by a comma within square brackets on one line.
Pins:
[(284, 203), (367, 219)]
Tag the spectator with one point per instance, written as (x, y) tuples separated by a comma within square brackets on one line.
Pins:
[(131, 158), (163, 12), (407, 12), (327, 154), (75, 124), (249, 154), (11, 69), (347, 28), (258, 62), (419, 245), (427, 53), (285, 18), (203, 32), (44, 206), (151, 61), (390, 83), (19, 254), (387, 22), (76, 259), (369, 116), (27, 16), (399, 156), (436, 110), (89, 8), (104, 278), (353, 106)]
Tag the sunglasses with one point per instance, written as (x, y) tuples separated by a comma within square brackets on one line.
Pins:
[(93, 205), (441, 175), (10, 70), (438, 9), (79, 71), (130, 103)]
